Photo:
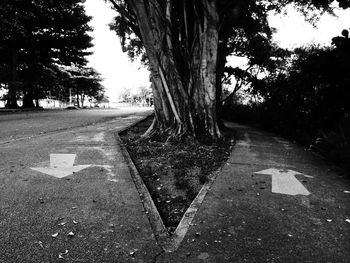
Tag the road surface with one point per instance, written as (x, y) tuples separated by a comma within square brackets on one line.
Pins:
[(65, 193), (19, 125)]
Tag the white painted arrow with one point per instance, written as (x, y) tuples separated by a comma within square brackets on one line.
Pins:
[(284, 181), (61, 165)]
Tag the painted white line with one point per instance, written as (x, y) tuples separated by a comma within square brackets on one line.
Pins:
[(284, 182)]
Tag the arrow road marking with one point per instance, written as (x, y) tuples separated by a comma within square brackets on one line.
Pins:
[(284, 182), (61, 165)]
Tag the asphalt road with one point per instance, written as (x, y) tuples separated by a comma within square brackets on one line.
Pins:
[(67, 195), (93, 213), (20, 125)]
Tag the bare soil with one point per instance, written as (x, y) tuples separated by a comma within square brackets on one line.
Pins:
[(173, 171)]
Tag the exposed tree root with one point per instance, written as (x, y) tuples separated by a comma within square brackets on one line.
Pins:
[(151, 129)]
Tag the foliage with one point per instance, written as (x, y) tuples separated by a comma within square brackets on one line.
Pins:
[(314, 92), (308, 100), (141, 95), (35, 37), (187, 42), (85, 82), (335, 145)]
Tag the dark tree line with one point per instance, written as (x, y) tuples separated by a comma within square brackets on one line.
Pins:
[(311, 91), (306, 98), (37, 38)]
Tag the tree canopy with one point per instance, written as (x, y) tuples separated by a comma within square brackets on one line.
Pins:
[(185, 44), (34, 37)]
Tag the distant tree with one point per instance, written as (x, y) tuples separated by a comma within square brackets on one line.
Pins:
[(36, 34), (125, 95), (186, 44), (85, 82)]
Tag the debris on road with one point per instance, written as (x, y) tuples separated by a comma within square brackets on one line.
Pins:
[(203, 256), (329, 220), (347, 220), (132, 253), (40, 244), (55, 235), (60, 255), (71, 234)]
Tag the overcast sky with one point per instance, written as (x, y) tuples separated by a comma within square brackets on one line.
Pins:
[(119, 72)]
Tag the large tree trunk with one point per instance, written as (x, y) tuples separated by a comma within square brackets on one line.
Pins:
[(11, 100), (28, 101), (28, 98), (78, 102), (185, 92)]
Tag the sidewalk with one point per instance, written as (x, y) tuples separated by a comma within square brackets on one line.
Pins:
[(242, 220)]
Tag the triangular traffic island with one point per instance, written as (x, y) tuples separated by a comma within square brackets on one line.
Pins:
[(172, 179)]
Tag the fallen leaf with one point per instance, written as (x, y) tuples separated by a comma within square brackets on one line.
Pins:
[(40, 244), (71, 234), (347, 220), (329, 220), (75, 222), (203, 256), (55, 235), (60, 255)]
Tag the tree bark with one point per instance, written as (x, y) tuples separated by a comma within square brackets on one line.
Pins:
[(185, 98), (11, 101), (28, 99)]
